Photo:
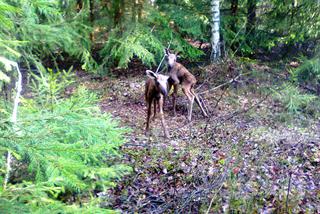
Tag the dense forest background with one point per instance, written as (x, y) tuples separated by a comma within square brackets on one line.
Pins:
[(65, 148)]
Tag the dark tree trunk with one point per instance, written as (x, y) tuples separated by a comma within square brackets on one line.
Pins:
[(234, 7), (5, 92), (91, 5), (134, 11), (140, 8), (117, 11), (79, 5), (233, 26), (234, 11), (293, 11), (105, 3), (251, 17), (137, 10)]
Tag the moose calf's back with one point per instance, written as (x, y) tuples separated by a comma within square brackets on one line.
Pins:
[(179, 74), (150, 91)]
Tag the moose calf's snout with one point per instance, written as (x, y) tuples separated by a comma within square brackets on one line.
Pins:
[(163, 85), (171, 59)]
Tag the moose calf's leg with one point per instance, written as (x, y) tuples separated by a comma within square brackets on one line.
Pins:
[(186, 91), (174, 96), (190, 108), (166, 133), (148, 116), (154, 109)]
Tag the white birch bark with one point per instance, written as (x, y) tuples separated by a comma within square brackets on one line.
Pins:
[(8, 66), (215, 30)]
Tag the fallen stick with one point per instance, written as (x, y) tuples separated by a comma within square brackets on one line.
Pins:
[(223, 84)]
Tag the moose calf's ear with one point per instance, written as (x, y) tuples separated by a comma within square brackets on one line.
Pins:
[(167, 51), (151, 74)]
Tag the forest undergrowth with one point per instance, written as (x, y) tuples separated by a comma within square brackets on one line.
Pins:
[(61, 135), (253, 154)]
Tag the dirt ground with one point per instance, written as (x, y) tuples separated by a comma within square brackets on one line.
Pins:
[(249, 156)]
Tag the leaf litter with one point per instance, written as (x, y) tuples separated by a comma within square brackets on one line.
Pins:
[(241, 159)]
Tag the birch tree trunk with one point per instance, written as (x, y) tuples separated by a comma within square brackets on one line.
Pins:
[(215, 30), (8, 66)]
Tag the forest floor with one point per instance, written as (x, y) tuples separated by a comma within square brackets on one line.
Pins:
[(250, 155)]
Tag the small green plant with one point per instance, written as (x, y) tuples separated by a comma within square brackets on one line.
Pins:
[(292, 99), (49, 84), (308, 72), (61, 147)]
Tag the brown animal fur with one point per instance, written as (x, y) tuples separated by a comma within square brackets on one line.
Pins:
[(179, 75), (155, 92)]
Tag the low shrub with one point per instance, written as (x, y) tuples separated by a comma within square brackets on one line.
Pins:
[(63, 150)]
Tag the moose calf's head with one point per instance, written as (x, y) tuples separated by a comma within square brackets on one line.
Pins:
[(161, 82), (170, 57)]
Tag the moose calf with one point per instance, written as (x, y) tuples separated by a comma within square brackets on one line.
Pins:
[(156, 89), (180, 75)]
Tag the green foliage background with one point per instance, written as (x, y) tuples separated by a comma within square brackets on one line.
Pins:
[(121, 30), (65, 145)]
